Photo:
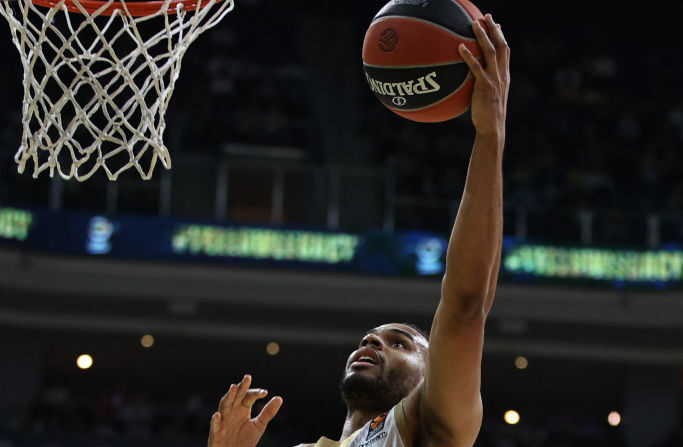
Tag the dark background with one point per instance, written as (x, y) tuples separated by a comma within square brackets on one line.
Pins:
[(595, 128)]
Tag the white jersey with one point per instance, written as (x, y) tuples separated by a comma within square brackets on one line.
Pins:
[(386, 430)]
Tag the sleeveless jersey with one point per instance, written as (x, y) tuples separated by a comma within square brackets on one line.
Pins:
[(386, 430)]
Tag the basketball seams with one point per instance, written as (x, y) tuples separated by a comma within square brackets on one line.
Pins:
[(464, 11), (470, 9), (431, 38), (391, 67), (436, 25)]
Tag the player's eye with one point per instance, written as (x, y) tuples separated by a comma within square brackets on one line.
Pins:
[(399, 344)]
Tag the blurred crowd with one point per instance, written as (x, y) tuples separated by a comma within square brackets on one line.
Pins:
[(591, 126), (595, 123), (258, 94), (58, 418)]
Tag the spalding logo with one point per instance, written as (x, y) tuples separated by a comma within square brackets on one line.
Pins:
[(398, 101), (388, 40), (420, 86)]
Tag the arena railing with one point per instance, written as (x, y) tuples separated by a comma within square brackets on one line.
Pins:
[(296, 192)]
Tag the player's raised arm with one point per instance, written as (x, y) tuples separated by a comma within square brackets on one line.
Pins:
[(449, 405)]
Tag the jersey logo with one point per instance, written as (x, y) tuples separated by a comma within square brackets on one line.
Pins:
[(376, 425)]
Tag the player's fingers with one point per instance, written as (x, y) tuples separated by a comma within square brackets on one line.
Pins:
[(495, 33), (227, 399), (506, 48), (487, 48), (214, 428), (471, 61), (215, 423), (252, 396), (268, 412), (242, 389), (505, 65), (502, 49)]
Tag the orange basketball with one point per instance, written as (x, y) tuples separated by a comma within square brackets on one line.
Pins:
[(411, 58)]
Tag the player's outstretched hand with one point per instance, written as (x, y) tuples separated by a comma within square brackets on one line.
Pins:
[(232, 425), (491, 79)]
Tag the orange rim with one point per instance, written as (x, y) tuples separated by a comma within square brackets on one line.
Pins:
[(136, 9)]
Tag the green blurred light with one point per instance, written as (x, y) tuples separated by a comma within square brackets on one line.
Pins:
[(258, 243), (15, 223), (589, 263)]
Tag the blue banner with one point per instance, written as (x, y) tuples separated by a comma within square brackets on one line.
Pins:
[(402, 253)]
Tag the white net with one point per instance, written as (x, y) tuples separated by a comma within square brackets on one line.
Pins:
[(97, 82)]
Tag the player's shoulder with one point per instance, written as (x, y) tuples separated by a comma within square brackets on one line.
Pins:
[(304, 445)]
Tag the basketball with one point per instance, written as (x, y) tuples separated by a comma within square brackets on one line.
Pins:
[(411, 59)]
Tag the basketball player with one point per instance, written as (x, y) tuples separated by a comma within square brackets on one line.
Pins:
[(402, 390)]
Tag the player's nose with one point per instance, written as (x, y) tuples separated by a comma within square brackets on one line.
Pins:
[(372, 340)]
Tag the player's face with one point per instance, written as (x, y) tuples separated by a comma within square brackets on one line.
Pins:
[(388, 364), (389, 347)]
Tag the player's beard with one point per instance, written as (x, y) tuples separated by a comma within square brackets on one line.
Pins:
[(375, 394)]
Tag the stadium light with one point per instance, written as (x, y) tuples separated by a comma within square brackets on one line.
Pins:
[(147, 341), (84, 361), (521, 362), (272, 348), (614, 418), (511, 417)]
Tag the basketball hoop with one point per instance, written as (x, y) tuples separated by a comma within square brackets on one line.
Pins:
[(98, 78)]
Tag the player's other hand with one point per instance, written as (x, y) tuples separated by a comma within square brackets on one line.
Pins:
[(491, 78), (232, 425)]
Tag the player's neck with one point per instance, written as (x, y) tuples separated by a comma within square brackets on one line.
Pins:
[(356, 419)]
